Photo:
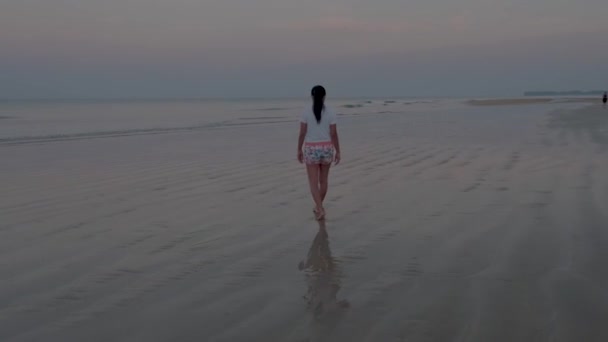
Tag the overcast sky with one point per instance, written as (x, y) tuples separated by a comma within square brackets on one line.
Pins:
[(277, 48)]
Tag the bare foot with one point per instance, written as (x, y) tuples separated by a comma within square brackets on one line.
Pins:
[(320, 214)]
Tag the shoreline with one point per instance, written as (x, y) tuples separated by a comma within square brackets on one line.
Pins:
[(528, 101)]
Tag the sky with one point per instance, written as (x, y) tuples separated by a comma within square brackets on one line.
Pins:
[(280, 48)]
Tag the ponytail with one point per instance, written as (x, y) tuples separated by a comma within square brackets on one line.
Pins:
[(318, 97)]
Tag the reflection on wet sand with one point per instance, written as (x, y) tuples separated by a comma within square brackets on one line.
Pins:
[(323, 276)]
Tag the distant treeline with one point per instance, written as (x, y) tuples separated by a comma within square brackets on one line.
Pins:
[(565, 93)]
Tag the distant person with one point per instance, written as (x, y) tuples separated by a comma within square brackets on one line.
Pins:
[(318, 146), (605, 99)]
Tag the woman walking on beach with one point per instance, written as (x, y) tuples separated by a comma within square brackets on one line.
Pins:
[(318, 146)]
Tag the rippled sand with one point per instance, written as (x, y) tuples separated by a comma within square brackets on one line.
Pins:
[(468, 224)]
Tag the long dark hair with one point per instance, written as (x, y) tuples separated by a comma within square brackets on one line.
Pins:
[(318, 97)]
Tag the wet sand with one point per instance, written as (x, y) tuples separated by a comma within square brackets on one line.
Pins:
[(464, 225)]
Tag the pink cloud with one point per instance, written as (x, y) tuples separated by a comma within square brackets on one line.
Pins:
[(344, 24), (352, 25)]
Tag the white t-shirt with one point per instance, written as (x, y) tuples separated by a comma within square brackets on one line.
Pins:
[(318, 131)]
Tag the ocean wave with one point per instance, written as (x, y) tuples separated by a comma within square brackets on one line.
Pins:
[(262, 118), (271, 109), (417, 102)]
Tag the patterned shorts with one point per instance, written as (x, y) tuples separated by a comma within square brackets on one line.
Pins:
[(318, 153)]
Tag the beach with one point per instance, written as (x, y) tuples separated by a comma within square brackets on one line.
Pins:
[(176, 221)]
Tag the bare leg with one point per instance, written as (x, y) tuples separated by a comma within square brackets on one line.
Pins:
[(313, 182), (323, 180)]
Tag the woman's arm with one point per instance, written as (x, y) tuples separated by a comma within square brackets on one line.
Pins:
[(303, 129), (333, 131)]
